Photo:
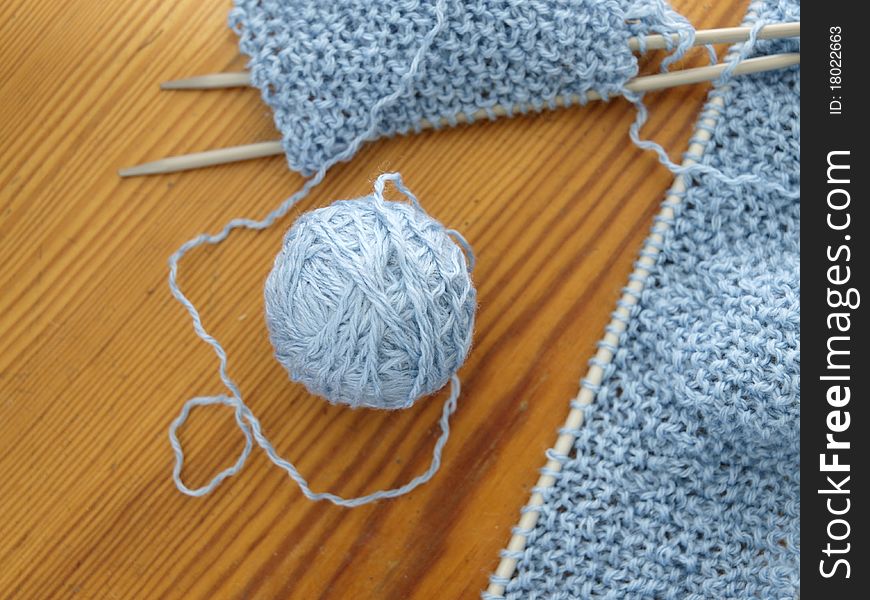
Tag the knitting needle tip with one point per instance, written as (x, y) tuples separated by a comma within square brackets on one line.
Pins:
[(208, 158), (143, 169), (209, 82)]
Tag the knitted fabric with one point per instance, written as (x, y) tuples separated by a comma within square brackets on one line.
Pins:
[(683, 481), (322, 66)]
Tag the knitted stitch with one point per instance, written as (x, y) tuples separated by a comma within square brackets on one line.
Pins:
[(321, 66), (683, 481)]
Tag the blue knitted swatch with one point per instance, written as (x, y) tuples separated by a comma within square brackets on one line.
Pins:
[(321, 66), (683, 482)]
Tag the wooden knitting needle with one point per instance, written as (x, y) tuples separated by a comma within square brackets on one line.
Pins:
[(647, 83), (725, 35)]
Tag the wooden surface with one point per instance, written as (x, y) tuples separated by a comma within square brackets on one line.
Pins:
[(97, 358)]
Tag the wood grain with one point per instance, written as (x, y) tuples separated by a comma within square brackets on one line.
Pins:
[(97, 358)]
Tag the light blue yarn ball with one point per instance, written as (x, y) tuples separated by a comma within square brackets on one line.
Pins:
[(370, 303)]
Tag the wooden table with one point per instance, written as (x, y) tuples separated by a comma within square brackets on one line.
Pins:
[(97, 358)]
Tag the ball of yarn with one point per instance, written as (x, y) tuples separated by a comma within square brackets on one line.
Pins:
[(370, 302)]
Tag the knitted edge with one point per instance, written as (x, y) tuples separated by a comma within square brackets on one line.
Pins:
[(608, 345)]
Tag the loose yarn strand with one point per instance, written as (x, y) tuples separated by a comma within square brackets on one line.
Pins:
[(380, 185), (697, 168), (245, 419), (745, 49)]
